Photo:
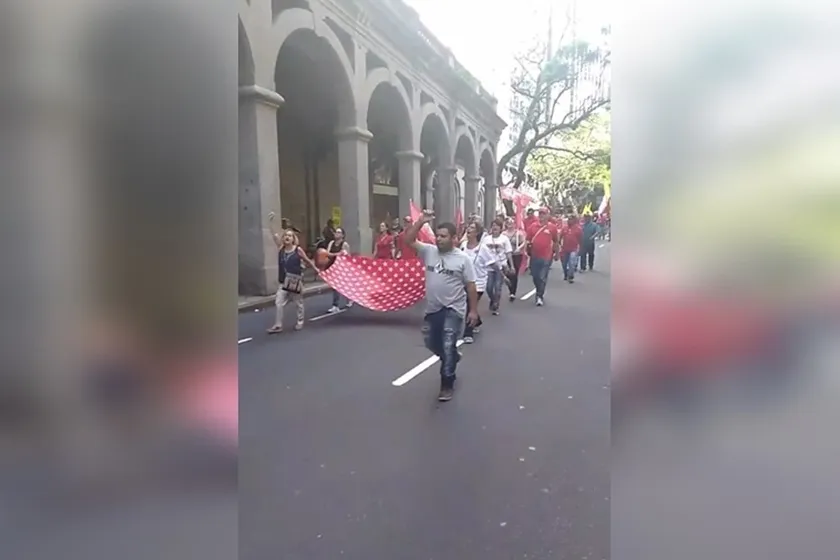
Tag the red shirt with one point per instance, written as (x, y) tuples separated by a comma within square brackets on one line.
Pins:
[(384, 244), (406, 250), (570, 238), (530, 221), (542, 239)]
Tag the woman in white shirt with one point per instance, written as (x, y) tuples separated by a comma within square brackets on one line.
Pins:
[(499, 245), (518, 241), (483, 261)]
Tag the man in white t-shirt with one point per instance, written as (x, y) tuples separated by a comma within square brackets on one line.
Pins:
[(499, 245), (451, 297)]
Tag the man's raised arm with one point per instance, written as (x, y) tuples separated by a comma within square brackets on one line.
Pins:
[(414, 229)]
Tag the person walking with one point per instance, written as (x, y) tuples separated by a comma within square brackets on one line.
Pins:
[(336, 247), (451, 297), (587, 249), (483, 261), (499, 245), (291, 259), (570, 238), (518, 243), (542, 247), (403, 250), (383, 246)]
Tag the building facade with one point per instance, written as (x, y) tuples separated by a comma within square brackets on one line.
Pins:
[(350, 110)]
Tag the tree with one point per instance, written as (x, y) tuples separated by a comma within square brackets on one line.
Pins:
[(575, 170), (554, 93)]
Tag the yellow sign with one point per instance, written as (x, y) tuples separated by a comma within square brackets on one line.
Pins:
[(336, 216)]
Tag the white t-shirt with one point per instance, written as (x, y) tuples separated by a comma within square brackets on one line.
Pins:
[(499, 246), (516, 238), (483, 260), (447, 275)]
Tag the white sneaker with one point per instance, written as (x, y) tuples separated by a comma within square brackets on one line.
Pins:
[(333, 309), (468, 340), (349, 304), (539, 302)]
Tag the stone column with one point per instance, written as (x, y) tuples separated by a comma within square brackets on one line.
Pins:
[(259, 189), (446, 194), (429, 188), (410, 186), (471, 186), (354, 187), (491, 193)]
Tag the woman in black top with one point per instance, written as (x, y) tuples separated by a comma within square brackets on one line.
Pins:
[(336, 247), (290, 261)]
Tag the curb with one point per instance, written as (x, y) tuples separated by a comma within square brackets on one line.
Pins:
[(268, 301)]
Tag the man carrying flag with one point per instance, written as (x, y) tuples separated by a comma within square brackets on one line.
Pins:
[(450, 296)]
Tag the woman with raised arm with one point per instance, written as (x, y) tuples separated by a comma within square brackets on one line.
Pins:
[(291, 259)]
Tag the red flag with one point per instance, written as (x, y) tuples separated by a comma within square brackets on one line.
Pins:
[(378, 284), (459, 218), (425, 235)]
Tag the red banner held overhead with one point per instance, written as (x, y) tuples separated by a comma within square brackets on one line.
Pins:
[(378, 284), (426, 235)]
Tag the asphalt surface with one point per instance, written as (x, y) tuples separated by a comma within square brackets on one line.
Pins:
[(337, 462)]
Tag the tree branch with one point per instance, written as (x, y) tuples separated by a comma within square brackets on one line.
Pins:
[(576, 153)]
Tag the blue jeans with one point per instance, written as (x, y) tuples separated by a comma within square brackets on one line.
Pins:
[(494, 288), (570, 262), (337, 299), (440, 333), (539, 272)]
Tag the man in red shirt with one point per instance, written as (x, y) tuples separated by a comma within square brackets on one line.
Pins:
[(405, 251), (530, 219), (542, 248), (570, 239)]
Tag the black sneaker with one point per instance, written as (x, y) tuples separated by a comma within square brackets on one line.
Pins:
[(446, 394), (512, 297)]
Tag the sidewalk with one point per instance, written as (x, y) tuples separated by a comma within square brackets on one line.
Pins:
[(249, 303)]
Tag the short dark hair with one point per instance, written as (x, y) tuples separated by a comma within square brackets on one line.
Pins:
[(448, 226)]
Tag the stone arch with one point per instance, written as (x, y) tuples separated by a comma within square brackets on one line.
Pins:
[(385, 78), (487, 163), (295, 21), (487, 171), (311, 74), (435, 145), (386, 114), (465, 152), (427, 110), (247, 72), (466, 195)]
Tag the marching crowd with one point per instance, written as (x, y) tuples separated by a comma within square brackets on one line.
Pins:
[(463, 265)]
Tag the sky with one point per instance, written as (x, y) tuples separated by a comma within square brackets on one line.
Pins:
[(485, 36)]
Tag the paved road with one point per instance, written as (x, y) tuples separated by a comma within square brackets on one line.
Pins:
[(337, 462)]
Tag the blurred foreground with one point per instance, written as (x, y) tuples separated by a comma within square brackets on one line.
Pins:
[(118, 393), (726, 130)]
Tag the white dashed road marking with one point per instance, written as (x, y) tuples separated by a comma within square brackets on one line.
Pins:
[(529, 295), (244, 340), (419, 368), (325, 315)]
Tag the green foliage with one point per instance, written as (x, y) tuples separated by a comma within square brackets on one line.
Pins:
[(554, 92), (575, 168)]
